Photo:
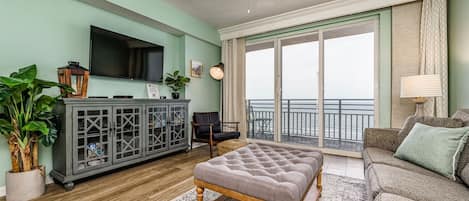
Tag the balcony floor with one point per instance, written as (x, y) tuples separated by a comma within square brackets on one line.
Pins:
[(313, 141)]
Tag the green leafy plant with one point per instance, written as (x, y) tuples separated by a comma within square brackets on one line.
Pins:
[(26, 116), (175, 81)]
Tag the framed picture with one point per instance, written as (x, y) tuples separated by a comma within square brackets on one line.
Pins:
[(196, 68), (152, 91)]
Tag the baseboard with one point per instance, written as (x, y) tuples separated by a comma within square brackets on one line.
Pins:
[(3, 191)]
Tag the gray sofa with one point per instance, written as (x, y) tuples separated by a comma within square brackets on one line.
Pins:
[(392, 179)]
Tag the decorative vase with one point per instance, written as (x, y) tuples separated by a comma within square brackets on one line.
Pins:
[(23, 186), (175, 95)]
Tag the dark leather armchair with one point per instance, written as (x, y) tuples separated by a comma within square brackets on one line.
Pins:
[(207, 127)]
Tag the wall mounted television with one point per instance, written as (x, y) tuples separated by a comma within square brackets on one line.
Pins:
[(120, 56)]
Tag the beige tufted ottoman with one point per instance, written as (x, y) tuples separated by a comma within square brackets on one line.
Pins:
[(261, 172)]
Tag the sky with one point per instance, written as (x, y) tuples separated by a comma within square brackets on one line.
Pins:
[(348, 69)]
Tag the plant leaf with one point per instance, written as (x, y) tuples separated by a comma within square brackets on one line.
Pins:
[(36, 126), (49, 139), (27, 74), (12, 82), (5, 127), (44, 103)]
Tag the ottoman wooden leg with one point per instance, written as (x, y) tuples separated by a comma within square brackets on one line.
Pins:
[(319, 182), (200, 193)]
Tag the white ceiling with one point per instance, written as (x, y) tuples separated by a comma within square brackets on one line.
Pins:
[(224, 13)]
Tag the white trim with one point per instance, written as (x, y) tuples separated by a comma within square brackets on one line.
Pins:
[(315, 13), (3, 190)]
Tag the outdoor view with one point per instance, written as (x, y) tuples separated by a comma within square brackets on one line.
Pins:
[(349, 56)]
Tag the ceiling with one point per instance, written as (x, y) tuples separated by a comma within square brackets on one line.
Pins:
[(224, 13)]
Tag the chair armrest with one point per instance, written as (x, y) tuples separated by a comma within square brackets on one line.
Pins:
[(384, 138), (230, 122)]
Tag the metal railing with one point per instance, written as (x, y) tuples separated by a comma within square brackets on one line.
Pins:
[(344, 119)]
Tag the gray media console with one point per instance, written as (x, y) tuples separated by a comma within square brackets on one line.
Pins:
[(98, 135)]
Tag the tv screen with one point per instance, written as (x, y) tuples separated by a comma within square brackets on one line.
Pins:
[(120, 56)]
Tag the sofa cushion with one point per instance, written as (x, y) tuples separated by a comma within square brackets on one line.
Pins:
[(415, 186), (465, 174), (435, 148), (381, 156), (391, 197), (431, 121)]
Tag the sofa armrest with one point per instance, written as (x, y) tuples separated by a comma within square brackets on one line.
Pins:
[(384, 138)]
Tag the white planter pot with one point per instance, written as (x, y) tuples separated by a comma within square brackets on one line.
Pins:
[(23, 186)]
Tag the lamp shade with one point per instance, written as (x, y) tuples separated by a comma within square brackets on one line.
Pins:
[(217, 71), (421, 86)]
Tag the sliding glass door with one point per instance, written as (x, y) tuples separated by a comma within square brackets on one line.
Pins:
[(300, 111), (260, 82), (349, 62), (319, 87)]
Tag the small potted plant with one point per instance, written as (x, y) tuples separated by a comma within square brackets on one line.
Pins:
[(176, 82), (26, 119)]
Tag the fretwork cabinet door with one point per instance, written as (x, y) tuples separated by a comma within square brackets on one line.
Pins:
[(128, 133), (156, 129), (92, 138), (177, 124)]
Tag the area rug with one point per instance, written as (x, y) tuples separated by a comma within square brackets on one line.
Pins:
[(335, 188)]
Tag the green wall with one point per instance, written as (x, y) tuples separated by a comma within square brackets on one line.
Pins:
[(51, 32), (162, 11), (458, 35)]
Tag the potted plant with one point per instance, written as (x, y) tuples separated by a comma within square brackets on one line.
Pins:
[(176, 82), (26, 119)]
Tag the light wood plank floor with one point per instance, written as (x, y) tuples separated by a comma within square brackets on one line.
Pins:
[(161, 179), (164, 179)]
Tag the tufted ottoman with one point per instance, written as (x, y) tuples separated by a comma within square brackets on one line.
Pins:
[(261, 172)]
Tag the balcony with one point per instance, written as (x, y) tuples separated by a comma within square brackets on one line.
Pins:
[(344, 121)]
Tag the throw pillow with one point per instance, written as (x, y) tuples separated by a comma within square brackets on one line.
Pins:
[(434, 148), (431, 121)]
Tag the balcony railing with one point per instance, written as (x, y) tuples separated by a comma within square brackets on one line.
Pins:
[(344, 119)]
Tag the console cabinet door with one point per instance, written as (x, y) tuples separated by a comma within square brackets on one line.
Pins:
[(127, 132), (157, 132), (92, 138), (177, 125)]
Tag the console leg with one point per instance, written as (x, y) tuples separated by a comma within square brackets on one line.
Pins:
[(200, 193), (69, 186)]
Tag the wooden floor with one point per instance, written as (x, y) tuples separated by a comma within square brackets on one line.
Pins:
[(165, 178), (162, 179)]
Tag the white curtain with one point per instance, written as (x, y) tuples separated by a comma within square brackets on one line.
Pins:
[(434, 52), (233, 102)]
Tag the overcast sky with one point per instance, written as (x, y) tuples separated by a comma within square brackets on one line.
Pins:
[(348, 70)]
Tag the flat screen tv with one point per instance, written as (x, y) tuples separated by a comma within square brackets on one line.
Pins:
[(121, 56)]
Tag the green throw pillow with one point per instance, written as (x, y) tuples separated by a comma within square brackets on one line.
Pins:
[(434, 148)]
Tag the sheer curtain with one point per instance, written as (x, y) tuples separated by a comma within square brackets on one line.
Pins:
[(234, 87), (434, 51)]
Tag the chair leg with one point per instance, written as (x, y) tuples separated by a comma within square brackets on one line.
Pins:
[(211, 151), (192, 142)]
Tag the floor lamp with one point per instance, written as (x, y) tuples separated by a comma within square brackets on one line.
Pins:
[(420, 88), (217, 72)]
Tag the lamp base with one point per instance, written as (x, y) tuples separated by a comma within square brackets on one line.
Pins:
[(419, 110)]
